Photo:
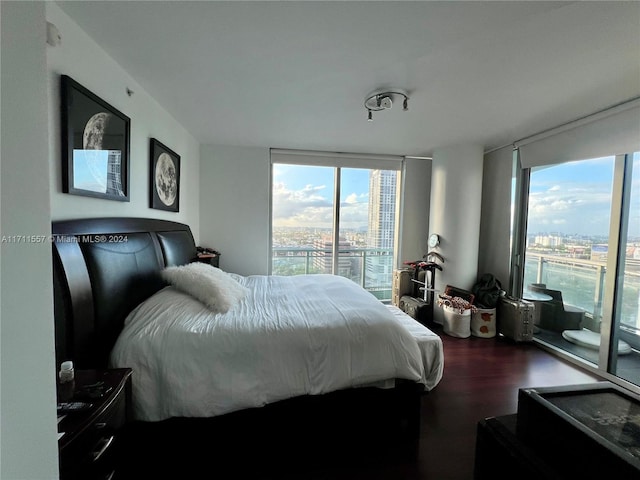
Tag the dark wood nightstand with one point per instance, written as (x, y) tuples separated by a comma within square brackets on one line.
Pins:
[(88, 448), (210, 259)]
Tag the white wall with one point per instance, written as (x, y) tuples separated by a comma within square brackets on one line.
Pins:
[(31, 195), (415, 199), (495, 225), (28, 445), (85, 61), (456, 196), (234, 206)]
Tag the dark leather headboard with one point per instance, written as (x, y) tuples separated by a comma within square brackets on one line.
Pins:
[(103, 268)]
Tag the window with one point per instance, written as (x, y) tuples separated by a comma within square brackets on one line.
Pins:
[(336, 220), (626, 326), (581, 239), (577, 213), (569, 216)]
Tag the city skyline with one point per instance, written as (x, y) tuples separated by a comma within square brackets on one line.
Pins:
[(303, 200)]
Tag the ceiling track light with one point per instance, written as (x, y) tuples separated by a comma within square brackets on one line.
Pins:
[(384, 101)]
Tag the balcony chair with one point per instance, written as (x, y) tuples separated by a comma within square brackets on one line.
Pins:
[(555, 315)]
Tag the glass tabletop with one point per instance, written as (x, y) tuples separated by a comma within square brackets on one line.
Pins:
[(536, 296)]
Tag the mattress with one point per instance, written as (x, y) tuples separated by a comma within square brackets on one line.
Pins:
[(290, 336)]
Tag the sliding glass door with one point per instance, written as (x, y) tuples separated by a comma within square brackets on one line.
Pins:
[(302, 219), (568, 233), (625, 331), (582, 260), (367, 224), (335, 220)]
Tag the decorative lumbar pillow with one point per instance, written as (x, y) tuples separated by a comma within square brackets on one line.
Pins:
[(208, 284)]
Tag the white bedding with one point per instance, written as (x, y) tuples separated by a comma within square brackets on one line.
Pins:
[(289, 336)]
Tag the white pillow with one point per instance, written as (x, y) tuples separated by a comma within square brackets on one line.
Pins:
[(212, 286)]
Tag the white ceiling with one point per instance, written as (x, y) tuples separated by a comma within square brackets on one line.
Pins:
[(295, 74)]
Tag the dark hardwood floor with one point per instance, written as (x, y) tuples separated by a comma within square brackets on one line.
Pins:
[(481, 379)]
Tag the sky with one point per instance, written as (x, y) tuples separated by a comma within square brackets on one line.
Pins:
[(575, 198), (571, 198), (90, 170), (303, 196)]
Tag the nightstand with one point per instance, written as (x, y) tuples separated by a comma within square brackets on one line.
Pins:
[(88, 448), (210, 259)]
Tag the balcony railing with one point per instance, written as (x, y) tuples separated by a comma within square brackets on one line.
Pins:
[(581, 281), (371, 268), (582, 284)]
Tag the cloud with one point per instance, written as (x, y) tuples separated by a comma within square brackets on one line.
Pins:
[(311, 207), (570, 208), (301, 207), (351, 198), (354, 215)]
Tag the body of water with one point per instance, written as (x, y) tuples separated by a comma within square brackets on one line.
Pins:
[(578, 285)]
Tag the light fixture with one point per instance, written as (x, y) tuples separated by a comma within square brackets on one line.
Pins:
[(384, 101)]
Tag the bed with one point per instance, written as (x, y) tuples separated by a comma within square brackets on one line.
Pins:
[(112, 296)]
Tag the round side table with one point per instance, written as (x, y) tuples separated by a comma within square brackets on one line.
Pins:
[(537, 298)]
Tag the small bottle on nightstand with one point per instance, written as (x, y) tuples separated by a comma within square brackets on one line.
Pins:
[(66, 373), (66, 377)]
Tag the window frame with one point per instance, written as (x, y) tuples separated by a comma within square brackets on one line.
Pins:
[(340, 161), (620, 211)]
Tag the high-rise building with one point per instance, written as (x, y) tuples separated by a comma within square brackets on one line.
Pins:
[(114, 173), (382, 208), (323, 259), (382, 226)]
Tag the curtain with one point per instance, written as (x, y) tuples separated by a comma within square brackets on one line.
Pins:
[(610, 132), (334, 159)]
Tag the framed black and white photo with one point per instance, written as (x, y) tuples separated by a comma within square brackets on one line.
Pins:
[(95, 144), (164, 182)]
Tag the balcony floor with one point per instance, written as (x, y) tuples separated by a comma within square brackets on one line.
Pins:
[(628, 365)]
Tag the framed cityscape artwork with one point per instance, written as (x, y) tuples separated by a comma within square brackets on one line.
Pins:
[(95, 144), (164, 181)]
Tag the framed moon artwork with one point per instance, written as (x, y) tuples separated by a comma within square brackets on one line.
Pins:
[(95, 144), (164, 186)]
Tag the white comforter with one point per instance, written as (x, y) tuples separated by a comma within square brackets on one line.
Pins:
[(290, 336)]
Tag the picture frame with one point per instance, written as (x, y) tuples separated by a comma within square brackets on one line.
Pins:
[(95, 139), (164, 177)]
